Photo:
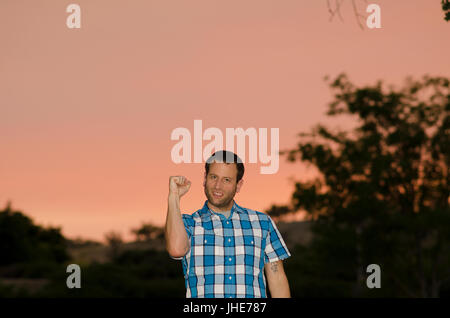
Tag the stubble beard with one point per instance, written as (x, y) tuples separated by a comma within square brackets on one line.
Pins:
[(221, 203)]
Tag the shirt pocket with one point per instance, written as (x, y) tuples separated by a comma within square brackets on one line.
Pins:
[(250, 245), (209, 245)]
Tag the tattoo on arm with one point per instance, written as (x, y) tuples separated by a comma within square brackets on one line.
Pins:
[(274, 267)]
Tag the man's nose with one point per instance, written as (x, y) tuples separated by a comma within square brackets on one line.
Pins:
[(217, 185)]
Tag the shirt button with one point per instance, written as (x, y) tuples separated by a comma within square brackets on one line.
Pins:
[(206, 241), (229, 277), (228, 222), (229, 240), (229, 259), (252, 242)]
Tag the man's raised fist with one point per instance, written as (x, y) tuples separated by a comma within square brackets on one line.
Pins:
[(179, 185)]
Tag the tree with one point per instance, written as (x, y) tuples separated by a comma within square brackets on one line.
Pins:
[(114, 241), (446, 9), (147, 232), (383, 187), (21, 241)]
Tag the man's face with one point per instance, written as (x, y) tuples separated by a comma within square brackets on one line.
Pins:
[(220, 184)]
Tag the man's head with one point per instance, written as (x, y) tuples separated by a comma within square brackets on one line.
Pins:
[(223, 178)]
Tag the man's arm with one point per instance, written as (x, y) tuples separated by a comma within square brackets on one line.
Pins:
[(177, 242), (277, 280)]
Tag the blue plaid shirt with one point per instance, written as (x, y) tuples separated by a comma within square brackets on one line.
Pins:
[(227, 255)]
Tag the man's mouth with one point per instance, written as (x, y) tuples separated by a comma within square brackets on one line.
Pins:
[(218, 194)]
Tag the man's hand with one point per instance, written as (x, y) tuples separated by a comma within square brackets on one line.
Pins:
[(179, 185)]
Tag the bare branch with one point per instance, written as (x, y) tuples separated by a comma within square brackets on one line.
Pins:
[(357, 15), (337, 11)]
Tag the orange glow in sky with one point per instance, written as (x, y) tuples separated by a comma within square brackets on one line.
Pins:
[(86, 114)]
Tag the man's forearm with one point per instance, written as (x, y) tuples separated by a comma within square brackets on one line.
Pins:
[(279, 287), (277, 280), (175, 233)]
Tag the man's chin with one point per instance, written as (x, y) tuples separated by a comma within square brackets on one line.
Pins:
[(219, 203)]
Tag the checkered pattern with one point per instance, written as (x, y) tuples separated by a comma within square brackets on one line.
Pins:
[(227, 255)]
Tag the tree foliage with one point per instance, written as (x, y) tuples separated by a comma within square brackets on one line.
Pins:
[(147, 231), (21, 241), (383, 192), (446, 9)]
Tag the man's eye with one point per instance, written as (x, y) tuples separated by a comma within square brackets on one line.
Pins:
[(227, 180)]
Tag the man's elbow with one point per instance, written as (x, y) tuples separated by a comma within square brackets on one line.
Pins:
[(176, 252)]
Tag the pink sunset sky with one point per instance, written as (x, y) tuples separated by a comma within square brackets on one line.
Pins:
[(86, 114)]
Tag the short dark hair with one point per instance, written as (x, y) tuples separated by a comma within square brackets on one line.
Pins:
[(226, 157)]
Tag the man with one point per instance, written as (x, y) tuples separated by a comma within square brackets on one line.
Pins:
[(225, 248)]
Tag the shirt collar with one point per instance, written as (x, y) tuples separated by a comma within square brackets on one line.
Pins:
[(205, 211)]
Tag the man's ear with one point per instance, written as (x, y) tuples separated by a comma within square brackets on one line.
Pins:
[(239, 185)]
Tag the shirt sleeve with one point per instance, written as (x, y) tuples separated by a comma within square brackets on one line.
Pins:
[(188, 225), (276, 248)]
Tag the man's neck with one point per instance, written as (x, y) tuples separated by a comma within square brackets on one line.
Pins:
[(219, 209)]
